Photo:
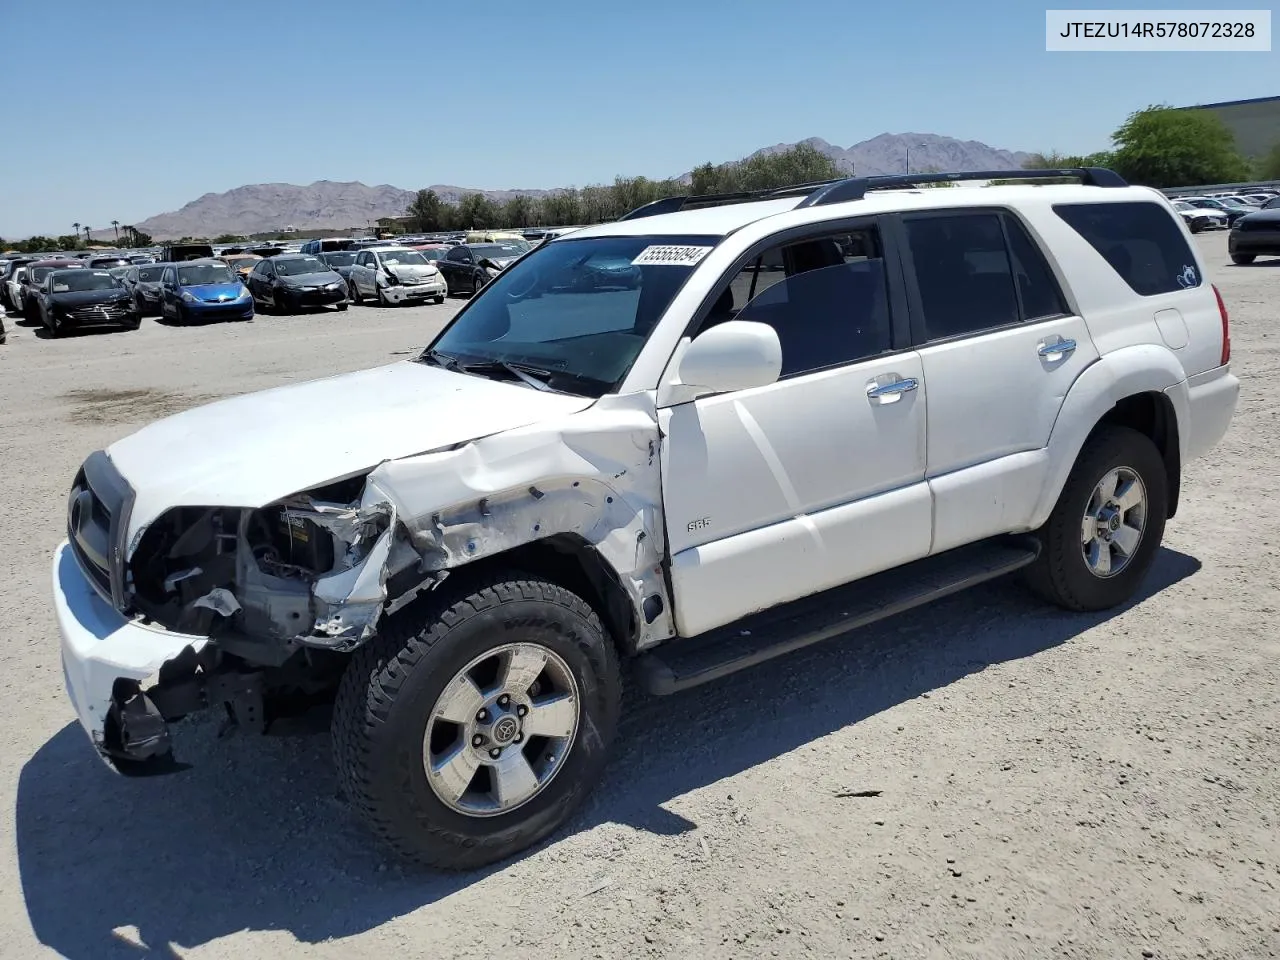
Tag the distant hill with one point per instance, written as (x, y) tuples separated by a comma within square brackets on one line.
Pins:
[(268, 207), (887, 153)]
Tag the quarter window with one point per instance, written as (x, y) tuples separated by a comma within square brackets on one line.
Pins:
[(1037, 289), (1140, 241), (825, 296)]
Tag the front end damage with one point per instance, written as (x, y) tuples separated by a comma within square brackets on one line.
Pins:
[(253, 610)]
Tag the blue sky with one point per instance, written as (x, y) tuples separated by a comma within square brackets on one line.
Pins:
[(136, 108)]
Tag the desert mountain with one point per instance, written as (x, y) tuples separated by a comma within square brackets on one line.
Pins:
[(887, 153), (269, 207)]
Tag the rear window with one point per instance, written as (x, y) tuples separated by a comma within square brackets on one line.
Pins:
[(1141, 241)]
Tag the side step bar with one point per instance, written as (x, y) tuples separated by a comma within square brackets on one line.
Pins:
[(680, 664)]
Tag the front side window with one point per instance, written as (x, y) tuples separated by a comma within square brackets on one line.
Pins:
[(202, 273), (550, 315), (963, 273), (1140, 241), (825, 296)]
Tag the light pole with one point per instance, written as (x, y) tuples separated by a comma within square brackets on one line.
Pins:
[(907, 147)]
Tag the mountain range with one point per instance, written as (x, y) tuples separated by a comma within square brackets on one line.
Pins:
[(328, 204)]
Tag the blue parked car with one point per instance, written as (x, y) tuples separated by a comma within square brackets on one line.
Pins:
[(203, 290)]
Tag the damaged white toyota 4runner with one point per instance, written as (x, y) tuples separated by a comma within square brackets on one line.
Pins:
[(712, 432)]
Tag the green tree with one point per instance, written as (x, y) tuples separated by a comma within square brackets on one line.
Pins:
[(425, 209), (476, 211), (1269, 165), (1164, 147), (763, 171), (140, 239), (68, 242), (221, 238), (519, 211), (37, 244)]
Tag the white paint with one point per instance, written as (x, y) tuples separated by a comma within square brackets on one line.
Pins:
[(250, 450)]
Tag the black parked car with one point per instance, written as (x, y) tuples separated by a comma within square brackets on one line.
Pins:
[(106, 263), (469, 266), (291, 281), (143, 283), (1257, 234), (339, 260), (78, 297)]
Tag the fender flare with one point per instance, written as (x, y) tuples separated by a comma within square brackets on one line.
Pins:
[(1127, 372)]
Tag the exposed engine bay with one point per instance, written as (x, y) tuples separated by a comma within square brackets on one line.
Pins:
[(218, 571)]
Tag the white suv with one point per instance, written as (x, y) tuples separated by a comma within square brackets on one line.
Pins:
[(808, 411)]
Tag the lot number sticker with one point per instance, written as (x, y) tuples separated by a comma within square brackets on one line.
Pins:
[(668, 255)]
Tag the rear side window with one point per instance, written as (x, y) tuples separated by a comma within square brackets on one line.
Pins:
[(963, 273), (1141, 241)]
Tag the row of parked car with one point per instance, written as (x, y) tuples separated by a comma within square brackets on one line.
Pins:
[(1221, 211), (188, 282)]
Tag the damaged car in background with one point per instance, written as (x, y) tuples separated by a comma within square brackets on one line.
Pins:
[(638, 442)]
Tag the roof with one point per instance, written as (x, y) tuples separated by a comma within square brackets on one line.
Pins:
[(725, 219), (1230, 103)]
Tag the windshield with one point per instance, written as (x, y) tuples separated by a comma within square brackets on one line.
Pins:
[(404, 258), (1183, 205), (339, 259), (578, 310), (506, 250), (75, 281), (37, 274), (300, 266), (235, 263), (203, 273), (150, 274), (433, 254)]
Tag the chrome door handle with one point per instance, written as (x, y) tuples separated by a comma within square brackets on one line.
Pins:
[(1052, 349), (889, 392)]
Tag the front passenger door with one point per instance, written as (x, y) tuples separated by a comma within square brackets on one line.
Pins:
[(782, 491)]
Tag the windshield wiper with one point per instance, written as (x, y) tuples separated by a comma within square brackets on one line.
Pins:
[(439, 359), (535, 377)]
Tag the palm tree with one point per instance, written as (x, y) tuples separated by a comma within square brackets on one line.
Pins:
[(87, 238), (115, 225), (76, 227)]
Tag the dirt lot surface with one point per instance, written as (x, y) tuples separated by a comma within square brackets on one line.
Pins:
[(1045, 784)]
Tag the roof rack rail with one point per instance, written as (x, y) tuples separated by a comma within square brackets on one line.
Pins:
[(823, 192), (693, 201), (855, 188)]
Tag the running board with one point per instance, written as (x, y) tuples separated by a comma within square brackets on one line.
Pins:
[(680, 664)]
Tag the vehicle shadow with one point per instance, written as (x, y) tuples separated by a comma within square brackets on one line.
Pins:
[(44, 333), (252, 835)]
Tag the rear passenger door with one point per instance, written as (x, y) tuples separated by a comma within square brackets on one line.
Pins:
[(1000, 348), (782, 491)]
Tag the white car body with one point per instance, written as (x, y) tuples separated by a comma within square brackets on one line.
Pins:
[(13, 286), (703, 504), (381, 273)]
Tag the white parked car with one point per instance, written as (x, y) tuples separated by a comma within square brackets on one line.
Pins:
[(699, 473), (1200, 218), (394, 275), (13, 287)]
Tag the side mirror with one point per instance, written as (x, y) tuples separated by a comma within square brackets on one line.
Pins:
[(734, 355)]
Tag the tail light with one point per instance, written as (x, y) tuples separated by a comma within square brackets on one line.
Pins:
[(1226, 329)]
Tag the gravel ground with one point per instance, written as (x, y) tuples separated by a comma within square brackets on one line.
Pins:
[(1044, 784)]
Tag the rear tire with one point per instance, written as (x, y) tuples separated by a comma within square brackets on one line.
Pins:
[(391, 707), (1098, 573), (477, 284), (1243, 258), (342, 307), (437, 300)]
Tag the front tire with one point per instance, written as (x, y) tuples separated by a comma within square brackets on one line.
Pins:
[(1103, 533), (1242, 259), (472, 726), (382, 299)]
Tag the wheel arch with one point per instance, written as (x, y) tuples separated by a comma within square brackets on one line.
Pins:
[(1141, 387)]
